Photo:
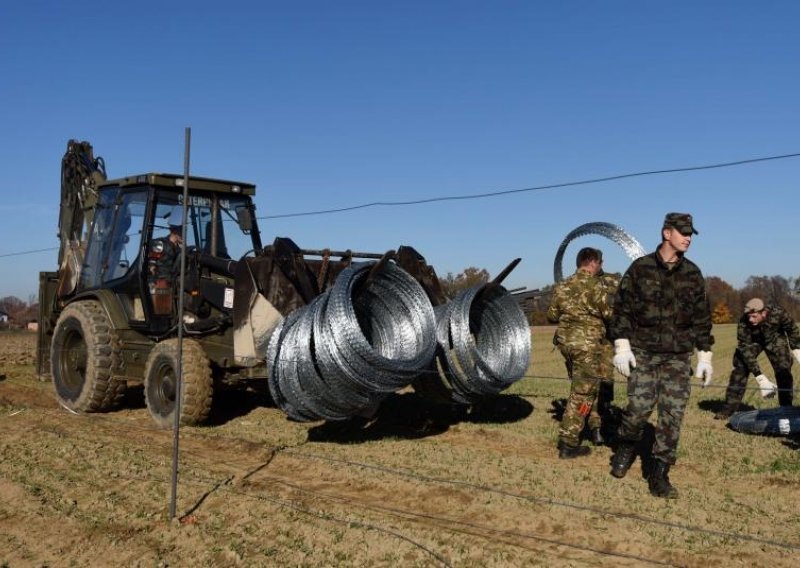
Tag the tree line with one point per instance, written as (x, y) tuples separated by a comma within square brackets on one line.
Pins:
[(18, 311), (726, 302)]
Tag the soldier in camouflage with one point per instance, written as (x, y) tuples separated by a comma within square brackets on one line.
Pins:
[(580, 307), (661, 314), (163, 262), (762, 328)]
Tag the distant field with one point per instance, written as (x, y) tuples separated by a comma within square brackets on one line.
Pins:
[(419, 487)]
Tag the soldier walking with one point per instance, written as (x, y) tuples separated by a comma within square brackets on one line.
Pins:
[(661, 314), (762, 328), (580, 307)]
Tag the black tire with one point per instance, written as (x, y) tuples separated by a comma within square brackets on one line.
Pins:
[(160, 382), (85, 359)]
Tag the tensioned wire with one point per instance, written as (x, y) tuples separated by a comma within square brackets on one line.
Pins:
[(292, 450), (503, 192), (722, 384)]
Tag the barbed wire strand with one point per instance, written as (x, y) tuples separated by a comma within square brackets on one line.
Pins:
[(615, 381), (400, 513), (485, 488), (226, 482), (561, 378)]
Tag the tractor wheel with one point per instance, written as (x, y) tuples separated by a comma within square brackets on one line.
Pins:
[(85, 358), (160, 383)]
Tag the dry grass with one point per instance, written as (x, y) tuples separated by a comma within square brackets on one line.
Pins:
[(419, 487)]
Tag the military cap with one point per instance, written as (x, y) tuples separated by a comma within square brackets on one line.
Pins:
[(680, 221), (754, 305)]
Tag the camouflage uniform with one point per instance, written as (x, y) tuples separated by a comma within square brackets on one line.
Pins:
[(776, 335), (580, 306), (163, 260), (663, 311)]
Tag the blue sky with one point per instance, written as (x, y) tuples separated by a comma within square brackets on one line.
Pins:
[(333, 104)]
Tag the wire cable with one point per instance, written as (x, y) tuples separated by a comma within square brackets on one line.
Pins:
[(4, 255), (535, 188), (547, 501), (292, 451), (501, 192)]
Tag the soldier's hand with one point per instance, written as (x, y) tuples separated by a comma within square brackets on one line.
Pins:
[(796, 353), (767, 387), (704, 368), (624, 360)]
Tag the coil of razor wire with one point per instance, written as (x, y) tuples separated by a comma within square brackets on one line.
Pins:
[(484, 342), (368, 336), (629, 245)]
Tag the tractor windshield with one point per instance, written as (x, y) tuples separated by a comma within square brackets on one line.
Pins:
[(216, 224)]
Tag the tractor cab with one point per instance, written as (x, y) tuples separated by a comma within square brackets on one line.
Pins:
[(134, 244)]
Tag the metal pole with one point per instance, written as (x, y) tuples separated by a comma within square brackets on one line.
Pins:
[(179, 370)]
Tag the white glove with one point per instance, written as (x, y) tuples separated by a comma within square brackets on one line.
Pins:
[(704, 369), (624, 360), (796, 353), (768, 388)]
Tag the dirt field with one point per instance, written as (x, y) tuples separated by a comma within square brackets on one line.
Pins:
[(421, 486)]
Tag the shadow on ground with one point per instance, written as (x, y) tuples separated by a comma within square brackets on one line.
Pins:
[(402, 415), (410, 416), (792, 442), (228, 403), (232, 403), (714, 406), (609, 421)]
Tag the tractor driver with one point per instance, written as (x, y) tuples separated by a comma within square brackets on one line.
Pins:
[(163, 262)]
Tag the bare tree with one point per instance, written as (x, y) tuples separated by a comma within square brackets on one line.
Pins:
[(470, 277)]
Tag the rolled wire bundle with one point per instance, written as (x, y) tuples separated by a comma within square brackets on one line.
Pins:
[(369, 335), (484, 342)]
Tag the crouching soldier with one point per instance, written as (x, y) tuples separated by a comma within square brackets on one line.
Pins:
[(769, 329)]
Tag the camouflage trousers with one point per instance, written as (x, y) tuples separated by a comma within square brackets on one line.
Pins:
[(661, 381), (588, 371), (781, 360)]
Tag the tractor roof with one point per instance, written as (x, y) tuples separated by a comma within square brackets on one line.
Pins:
[(175, 182)]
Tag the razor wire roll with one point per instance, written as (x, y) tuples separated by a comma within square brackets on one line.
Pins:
[(368, 336), (615, 233), (484, 342)]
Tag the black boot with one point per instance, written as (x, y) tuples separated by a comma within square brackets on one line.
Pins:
[(566, 452), (726, 411), (622, 460), (659, 481), (597, 437)]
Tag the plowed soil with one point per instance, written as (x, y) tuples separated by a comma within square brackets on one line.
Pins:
[(422, 485)]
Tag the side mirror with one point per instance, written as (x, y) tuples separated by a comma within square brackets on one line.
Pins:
[(244, 217)]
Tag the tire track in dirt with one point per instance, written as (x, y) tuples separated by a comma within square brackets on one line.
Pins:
[(207, 459), (253, 467)]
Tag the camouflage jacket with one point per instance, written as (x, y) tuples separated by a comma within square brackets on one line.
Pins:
[(611, 283), (774, 330), (662, 309), (581, 309), (163, 260)]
